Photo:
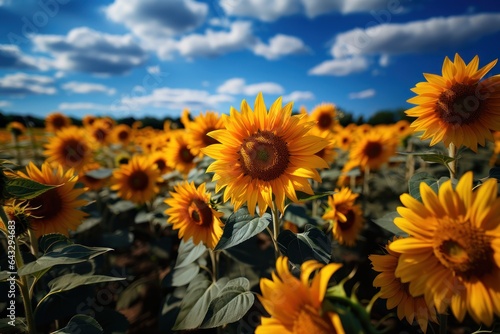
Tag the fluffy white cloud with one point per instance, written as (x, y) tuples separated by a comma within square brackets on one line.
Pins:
[(87, 88), (176, 99), (66, 106), (364, 94), (298, 95), (236, 86), (87, 50), (417, 36), (12, 57), (279, 46), (340, 67), (25, 84)]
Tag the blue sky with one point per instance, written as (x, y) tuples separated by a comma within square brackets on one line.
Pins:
[(156, 57)]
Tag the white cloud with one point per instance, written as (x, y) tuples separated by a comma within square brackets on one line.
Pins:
[(263, 10), (298, 95), (25, 84), (340, 67), (176, 99), (417, 36), (87, 50), (314, 8), (66, 106), (364, 94), (384, 60), (236, 86), (280, 45), (5, 104), (87, 88), (12, 57)]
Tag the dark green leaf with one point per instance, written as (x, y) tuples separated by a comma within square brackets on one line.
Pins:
[(21, 188), (387, 223), (72, 280), (494, 173), (112, 321), (433, 157), (189, 252), (242, 226), (101, 173), (184, 275), (81, 323), (417, 179), (297, 214), (304, 197), (4, 275), (52, 241), (121, 206), (311, 244), (19, 326)]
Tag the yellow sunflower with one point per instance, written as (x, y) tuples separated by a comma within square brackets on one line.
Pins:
[(200, 126), (295, 305), (328, 153), (90, 182), (397, 293), (16, 128), (344, 139), (56, 121), (373, 150), (346, 216), (136, 181), (453, 253), (192, 214), (264, 154), (324, 116), (121, 134), (402, 128), (69, 148), (100, 131), (54, 211), (457, 107), (88, 120), (160, 159), (179, 155)]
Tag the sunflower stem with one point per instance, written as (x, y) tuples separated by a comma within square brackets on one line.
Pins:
[(276, 229), (214, 258), (452, 166), (443, 323), (33, 242), (17, 148), (366, 185), (410, 161)]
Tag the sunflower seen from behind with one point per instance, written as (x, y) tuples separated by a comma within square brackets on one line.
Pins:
[(136, 180), (295, 305), (457, 107), (452, 256), (56, 210), (70, 148), (264, 154), (192, 213)]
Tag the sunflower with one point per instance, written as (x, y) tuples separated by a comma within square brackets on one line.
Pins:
[(200, 126), (457, 107), (122, 158), (328, 153), (136, 181), (343, 139), (192, 214), (121, 134), (16, 128), (160, 159), (56, 121), (397, 293), (402, 128), (347, 217), (179, 156), (264, 154), (90, 182), (453, 253), (100, 131), (54, 211), (295, 305), (88, 120), (69, 148), (373, 150), (324, 116)]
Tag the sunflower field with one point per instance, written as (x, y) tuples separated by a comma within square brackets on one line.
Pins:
[(259, 219)]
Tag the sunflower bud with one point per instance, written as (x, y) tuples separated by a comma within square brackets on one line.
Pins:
[(21, 218)]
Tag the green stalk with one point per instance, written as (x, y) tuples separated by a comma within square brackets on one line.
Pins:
[(452, 166), (276, 229)]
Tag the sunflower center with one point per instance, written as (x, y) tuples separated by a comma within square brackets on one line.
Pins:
[(350, 219), (100, 135), (201, 213), (309, 321), (123, 161), (58, 122), (161, 164), (138, 180), (123, 135), (459, 104), (325, 121), (47, 205), (74, 151), (207, 140), (185, 155), (464, 249), (264, 156), (373, 149)]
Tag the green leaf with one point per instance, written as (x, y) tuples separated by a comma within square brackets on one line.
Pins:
[(69, 254), (232, 303), (72, 280), (4, 275), (51, 241), (241, 226), (433, 157), (194, 306), (189, 252), (417, 179), (494, 173), (81, 323), (297, 214), (20, 326), (304, 197), (21, 188), (387, 223), (183, 275), (300, 247), (101, 173)]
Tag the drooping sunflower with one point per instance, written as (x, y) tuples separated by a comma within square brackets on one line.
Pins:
[(373, 150), (452, 256), (69, 148), (56, 210), (192, 214), (397, 293), (457, 107), (56, 121), (179, 155), (136, 181), (295, 305), (324, 116), (345, 215), (200, 126), (264, 154)]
